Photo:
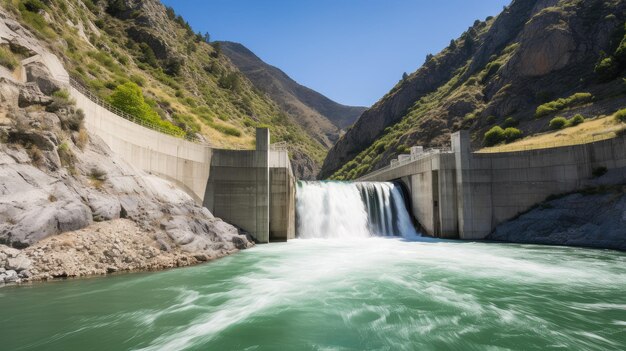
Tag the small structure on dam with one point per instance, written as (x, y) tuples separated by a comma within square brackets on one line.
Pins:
[(458, 193)]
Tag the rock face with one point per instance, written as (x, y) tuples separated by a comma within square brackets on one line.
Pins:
[(70, 207), (597, 220), (114, 246), (323, 119), (533, 52)]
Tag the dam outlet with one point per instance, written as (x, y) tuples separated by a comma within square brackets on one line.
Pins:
[(352, 210)]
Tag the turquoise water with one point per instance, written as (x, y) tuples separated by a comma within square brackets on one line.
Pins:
[(377, 293)]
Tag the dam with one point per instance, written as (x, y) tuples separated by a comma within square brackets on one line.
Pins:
[(449, 193), (252, 189)]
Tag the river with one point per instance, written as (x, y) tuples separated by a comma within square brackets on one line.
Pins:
[(325, 294)]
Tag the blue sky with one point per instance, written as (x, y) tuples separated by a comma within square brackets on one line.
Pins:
[(352, 51)]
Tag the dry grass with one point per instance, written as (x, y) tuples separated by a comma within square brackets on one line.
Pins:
[(82, 138), (591, 130)]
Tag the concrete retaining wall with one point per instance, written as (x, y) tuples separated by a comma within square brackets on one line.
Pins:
[(464, 194), (233, 184), (282, 197), (185, 163), (431, 181), (238, 187), (494, 187)]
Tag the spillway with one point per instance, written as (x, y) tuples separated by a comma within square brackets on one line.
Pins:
[(351, 210)]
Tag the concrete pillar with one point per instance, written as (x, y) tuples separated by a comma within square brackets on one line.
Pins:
[(473, 181), (238, 187), (262, 185)]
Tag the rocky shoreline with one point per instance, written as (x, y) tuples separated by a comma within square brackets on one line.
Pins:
[(594, 218), (69, 206), (103, 248)]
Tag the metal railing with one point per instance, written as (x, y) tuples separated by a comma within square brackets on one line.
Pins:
[(279, 146), (548, 145), (100, 102), (412, 158)]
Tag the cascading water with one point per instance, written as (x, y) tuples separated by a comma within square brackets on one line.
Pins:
[(351, 209)]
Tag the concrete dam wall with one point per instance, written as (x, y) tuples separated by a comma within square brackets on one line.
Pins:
[(463, 194), (252, 189)]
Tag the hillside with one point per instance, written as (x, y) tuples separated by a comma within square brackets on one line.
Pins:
[(321, 117), (188, 86), (537, 60)]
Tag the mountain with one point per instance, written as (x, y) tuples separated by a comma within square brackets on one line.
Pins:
[(321, 117), (189, 86), (536, 60)]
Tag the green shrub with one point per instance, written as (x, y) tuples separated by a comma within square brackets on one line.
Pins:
[(560, 104), (490, 70), (226, 130), (66, 156), (34, 5), (147, 55), (29, 11), (187, 122), (7, 58), (129, 98), (230, 81), (576, 120), (380, 147), (620, 115), (510, 122), (493, 136), (558, 123), (606, 69), (60, 100), (512, 134)]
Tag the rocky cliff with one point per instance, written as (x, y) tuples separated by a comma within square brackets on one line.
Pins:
[(187, 82), (321, 117), (497, 73), (56, 178), (594, 218)]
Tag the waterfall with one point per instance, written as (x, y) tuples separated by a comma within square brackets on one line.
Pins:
[(351, 210)]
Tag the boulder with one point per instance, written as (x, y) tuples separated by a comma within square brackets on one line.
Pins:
[(104, 208), (11, 277), (31, 95), (37, 73), (18, 263)]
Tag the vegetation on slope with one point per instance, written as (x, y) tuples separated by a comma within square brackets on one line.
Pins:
[(515, 72), (598, 128), (144, 48)]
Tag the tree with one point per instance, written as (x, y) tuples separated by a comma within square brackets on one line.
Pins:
[(116, 7), (558, 123), (230, 81), (469, 43), (512, 134), (174, 66), (217, 50), (147, 55), (405, 76), (493, 136), (452, 45), (129, 98), (429, 57), (207, 37), (606, 69)]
